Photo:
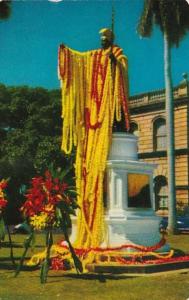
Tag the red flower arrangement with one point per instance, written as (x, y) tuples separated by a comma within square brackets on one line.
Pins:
[(49, 203), (3, 201), (45, 199), (3, 204)]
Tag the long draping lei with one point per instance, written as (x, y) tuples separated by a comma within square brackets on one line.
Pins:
[(93, 92), (140, 255)]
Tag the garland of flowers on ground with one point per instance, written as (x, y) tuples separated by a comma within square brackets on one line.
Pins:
[(128, 254), (61, 258), (92, 93)]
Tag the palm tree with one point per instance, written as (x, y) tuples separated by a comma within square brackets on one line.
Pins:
[(172, 16), (5, 9)]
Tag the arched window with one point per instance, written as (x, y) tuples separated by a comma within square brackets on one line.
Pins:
[(161, 192), (134, 128), (159, 134)]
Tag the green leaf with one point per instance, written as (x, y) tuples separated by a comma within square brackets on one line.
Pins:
[(49, 239), (27, 244), (62, 206), (67, 221), (28, 241), (44, 271), (72, 192), (2, 229), (27, 227), (75, 205), (77, 262), (46, 262), (65, 172), (71, 211), (58, 214)]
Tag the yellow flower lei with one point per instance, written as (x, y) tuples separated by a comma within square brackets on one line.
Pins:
[(91, 95)]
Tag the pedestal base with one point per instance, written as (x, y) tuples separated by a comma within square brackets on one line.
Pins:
[(134, 229), (139, 270)]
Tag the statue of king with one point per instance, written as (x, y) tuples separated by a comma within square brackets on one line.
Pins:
[(94, 95)]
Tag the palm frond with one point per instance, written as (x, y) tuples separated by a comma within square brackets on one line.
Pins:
[(145, 24), (172, 17)]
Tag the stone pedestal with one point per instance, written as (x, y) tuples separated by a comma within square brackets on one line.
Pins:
[(130, 207)]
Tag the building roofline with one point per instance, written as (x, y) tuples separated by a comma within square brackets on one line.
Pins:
[(158, 96)]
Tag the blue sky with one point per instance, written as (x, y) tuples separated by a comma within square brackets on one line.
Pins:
[(29, 42)]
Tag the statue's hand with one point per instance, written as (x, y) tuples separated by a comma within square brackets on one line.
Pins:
[(62, 46), (113, 58)]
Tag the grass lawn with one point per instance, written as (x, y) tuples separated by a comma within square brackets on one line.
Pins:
[(174, 286)]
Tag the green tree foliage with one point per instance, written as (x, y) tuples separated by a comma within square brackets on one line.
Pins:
[(30, 133)]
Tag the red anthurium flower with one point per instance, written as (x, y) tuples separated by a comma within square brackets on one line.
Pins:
[(48, 174), (64, 186), (56, 187), (48, 184), (3, 184), (56, 180), (3, 203)]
